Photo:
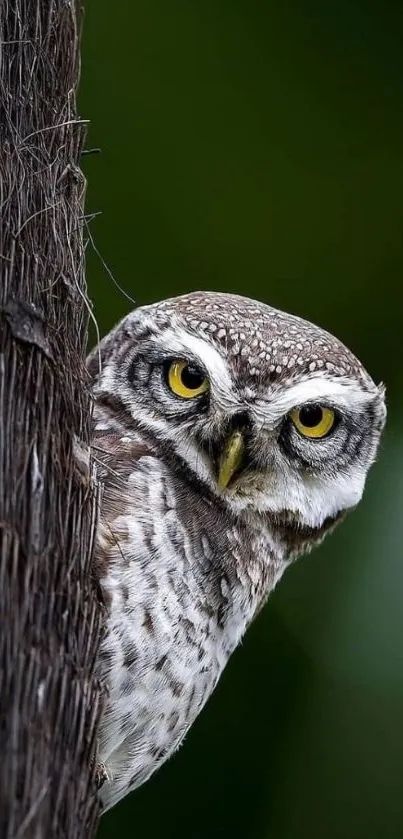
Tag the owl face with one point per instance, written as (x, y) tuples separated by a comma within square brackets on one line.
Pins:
[(261, 410)]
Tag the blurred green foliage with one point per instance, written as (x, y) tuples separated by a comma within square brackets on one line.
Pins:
[(256, 147)]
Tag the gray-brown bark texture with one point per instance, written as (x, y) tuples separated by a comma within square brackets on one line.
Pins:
[(50, 613)]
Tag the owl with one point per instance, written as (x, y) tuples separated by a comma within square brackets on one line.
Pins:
[(230, 438)]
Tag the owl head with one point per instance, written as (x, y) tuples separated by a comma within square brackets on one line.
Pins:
[(260, 410)]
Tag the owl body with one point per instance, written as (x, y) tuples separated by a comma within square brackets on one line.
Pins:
[(212, 485), (179, 600)]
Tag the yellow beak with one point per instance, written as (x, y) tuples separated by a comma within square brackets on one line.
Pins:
[(231, 458)]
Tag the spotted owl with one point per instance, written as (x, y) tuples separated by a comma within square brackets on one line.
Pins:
[(230, 438)]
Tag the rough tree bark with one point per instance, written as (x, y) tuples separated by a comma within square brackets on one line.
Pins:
[(50, 612)]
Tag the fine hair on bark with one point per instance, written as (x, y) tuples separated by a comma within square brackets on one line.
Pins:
[(50, 605)]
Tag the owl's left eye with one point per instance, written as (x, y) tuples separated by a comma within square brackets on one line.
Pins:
[(186, 380), (314, 421)]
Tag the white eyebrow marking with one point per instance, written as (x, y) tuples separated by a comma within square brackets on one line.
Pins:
[(342, 392)]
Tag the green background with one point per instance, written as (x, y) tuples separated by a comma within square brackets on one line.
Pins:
[(256, 147)]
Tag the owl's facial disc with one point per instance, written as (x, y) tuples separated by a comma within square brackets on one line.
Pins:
[(269, 412)]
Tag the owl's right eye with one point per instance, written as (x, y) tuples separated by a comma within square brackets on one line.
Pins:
[(313, 421), (186, 380)]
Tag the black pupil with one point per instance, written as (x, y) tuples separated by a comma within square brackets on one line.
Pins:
[(191, 377), (311, 416)]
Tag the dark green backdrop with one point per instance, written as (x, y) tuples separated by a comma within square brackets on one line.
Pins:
[(256, 147)]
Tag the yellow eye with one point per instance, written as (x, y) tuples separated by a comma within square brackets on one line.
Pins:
[(313, 421), (186, 380)]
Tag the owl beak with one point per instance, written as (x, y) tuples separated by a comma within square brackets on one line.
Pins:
[(231, 458)]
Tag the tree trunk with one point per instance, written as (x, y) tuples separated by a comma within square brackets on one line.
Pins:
[(50, 609)]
